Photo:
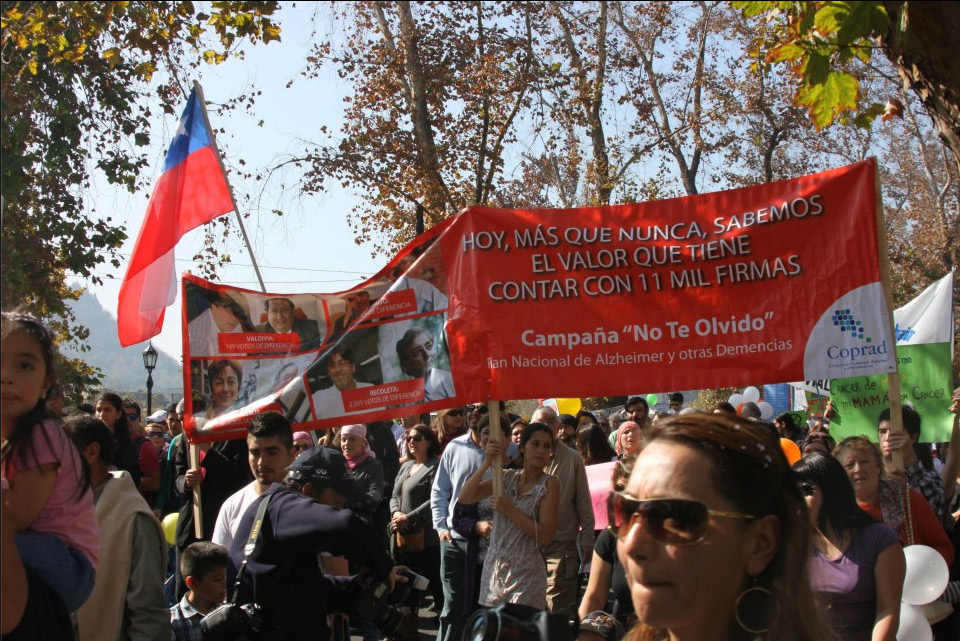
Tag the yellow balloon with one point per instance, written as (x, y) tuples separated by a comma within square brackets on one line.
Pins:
[(568, 406), (170, 527)]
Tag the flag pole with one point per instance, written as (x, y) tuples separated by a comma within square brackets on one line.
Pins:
[(893, 378), (236, 210), (493, 413)]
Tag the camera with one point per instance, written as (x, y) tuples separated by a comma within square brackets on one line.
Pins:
[(232, 622), (514, 622), (380, 605)]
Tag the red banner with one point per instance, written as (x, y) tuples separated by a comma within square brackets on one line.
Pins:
[(776, 282)]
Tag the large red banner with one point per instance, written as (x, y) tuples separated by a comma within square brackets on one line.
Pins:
[(777, 282)]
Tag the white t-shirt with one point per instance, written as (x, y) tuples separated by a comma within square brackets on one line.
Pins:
[(230, 513), (328, 402)]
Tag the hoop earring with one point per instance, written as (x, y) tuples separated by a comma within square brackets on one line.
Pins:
[(756, 601)]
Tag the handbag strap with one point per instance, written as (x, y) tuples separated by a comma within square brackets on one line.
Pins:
[(251, 544)]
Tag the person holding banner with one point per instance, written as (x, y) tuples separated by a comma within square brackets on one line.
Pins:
[(713, 536), (891, 501), (917, 459), (524, 521)]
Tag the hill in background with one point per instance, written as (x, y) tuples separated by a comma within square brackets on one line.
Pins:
[(122, 367)]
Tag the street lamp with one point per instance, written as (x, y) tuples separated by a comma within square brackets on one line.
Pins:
[(149, 361)]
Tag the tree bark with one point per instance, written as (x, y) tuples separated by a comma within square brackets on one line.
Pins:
[(921, 43)]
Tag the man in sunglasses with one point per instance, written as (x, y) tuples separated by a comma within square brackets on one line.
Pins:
[(574, 520), (270, 453), (474, 413), (146, 453)]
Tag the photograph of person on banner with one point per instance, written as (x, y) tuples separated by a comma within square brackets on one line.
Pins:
[(281, 315), (349, 365), (212, 312), (221, 382), (418, 350), (355, 303), (422, 271)]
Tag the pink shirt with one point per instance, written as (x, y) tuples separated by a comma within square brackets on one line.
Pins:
[(66, 513)]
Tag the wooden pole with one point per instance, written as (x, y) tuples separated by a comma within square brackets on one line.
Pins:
[(493, 410), (893, 378), (216, 151), (194, 451)]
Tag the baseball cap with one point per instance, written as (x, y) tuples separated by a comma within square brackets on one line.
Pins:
[(325, 465)]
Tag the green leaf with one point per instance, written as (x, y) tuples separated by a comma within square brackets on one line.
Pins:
[(864, 20), (825, 101)]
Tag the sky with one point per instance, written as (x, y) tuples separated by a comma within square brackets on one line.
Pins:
[(311, 249)]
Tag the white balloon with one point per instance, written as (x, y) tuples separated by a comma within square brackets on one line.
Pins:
[(766, 410), (735, 400), (927, 575), (751, 395), (913, 625)]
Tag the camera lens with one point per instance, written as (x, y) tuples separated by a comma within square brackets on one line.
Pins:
[(485, 626)]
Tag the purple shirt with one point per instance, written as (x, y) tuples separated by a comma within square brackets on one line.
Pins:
[(846, 584)]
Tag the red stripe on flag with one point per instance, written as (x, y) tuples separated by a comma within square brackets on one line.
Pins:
[(189, 195)]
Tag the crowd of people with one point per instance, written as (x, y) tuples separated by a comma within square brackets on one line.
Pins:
[(711, 533)]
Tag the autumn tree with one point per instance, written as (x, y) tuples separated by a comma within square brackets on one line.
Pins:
[(438, 89), (80, 82), (822, 42)]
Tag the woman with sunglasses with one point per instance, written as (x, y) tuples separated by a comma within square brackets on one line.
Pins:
[(713, 536), (302, 441), (448, 425), (857, 565), (524, 521), (410, 510)]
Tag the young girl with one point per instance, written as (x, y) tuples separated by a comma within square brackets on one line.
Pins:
[(525, 520), (49, 500)]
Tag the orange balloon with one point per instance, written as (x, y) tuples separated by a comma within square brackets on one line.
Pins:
[(790, 449)]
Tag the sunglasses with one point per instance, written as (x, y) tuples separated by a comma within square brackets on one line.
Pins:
[(808, 489), (483, 409), (302, 447), (455, 413), (415, 439), (673, 521), (154, 434), (133, 417)]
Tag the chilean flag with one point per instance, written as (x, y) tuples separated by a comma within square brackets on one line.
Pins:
[(191, 191)]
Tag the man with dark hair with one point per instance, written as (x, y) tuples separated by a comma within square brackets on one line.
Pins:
[(917, 463), (675, 400), (281, 319), (269, 452), (637, 410), (127, 600), (283, 575), (342, 370), (567, 430), (147, 454)]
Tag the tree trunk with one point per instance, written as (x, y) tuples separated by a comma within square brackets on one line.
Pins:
[(924, 51)]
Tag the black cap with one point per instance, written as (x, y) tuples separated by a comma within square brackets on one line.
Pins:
[(325, 465), (569, 420)]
